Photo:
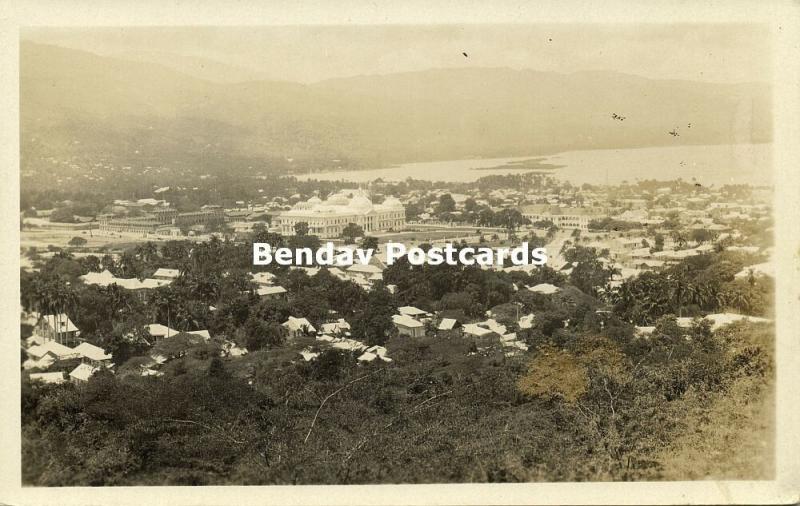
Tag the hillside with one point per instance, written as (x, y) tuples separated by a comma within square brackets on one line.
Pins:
[(78, 102)]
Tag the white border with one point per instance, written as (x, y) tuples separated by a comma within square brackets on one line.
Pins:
[(782, 16)]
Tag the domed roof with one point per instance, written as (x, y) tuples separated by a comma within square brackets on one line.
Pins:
[(392, 202), (361, 203), (337, 200), (314, 200)]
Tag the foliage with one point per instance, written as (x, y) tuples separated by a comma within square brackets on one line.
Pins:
[(351, 231), (703, 283)]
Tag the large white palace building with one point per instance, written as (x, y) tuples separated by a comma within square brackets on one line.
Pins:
[(327, 218)]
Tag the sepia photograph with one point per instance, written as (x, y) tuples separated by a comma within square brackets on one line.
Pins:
[(408, 254)]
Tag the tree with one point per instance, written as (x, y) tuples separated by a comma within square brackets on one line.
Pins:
[(351, 231), (77, 241), (62, 215), (146, 252), (589, 273), (108, 263), (544, 224), (486, 217), (116, 300), (510, 219), (373, 324), (659, 243), (369, 243), (301, 228), (54, 296), (258, 334), (162, 302), (701, 235), (92, 263), (446, 204), (679, 238)]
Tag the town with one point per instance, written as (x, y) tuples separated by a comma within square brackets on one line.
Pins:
[(363, 254), (151, 288)]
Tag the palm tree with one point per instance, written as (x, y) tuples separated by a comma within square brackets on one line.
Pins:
[(108, 263), (58, 297), (699, 294), (41, 298), (739, 300), (117, 299), (147, 252), (160, 300)]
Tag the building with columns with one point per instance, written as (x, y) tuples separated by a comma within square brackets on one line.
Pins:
[(327, 218)]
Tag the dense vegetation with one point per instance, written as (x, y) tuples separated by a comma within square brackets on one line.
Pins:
[(437, 415), (589, 401)]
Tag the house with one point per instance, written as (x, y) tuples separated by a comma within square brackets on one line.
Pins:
[(367, 269), (367, 356), (103, 278), (48, 377), (447, 324), (474, 329), (766, 269), (299, 327), (512, 345), (484, 328), (412, 311), (348, 345), (202, 333), (56, 350), (308, 355), (139, 287), (494, 326), (262, 278), (34, 339), (41, 363), (545, 288), (408, 326), (29, 318), (271, 292), (58, 327), (338, 327), (526, 321), (94, 355), (374, 352), (159, 332), (166, 274), (82, 373)]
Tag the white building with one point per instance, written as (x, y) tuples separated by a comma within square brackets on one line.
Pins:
[(563, 217), (326, 219)]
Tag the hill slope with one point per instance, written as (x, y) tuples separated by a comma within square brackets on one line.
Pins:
[(74, 101)]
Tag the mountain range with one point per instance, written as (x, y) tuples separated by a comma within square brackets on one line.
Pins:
[(148, 104)]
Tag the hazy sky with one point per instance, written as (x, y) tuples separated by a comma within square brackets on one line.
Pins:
[(720, 52)]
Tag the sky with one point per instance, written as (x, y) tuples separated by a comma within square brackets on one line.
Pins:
[(698, 52)]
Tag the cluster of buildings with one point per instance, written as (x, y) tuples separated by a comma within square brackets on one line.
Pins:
[(162, 277), (163, 221), (414, 322), (571, 218), (55, 354)]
